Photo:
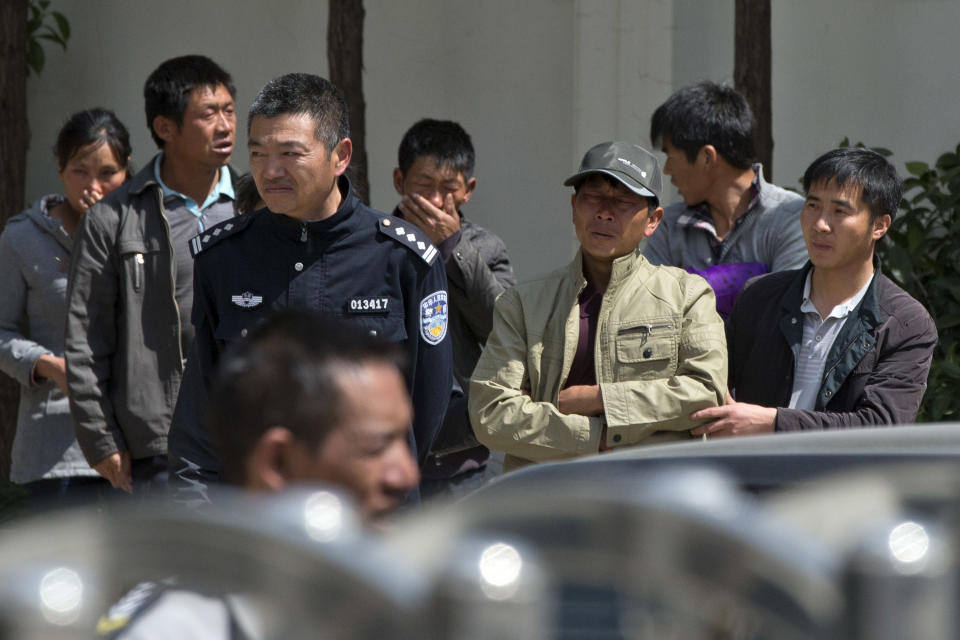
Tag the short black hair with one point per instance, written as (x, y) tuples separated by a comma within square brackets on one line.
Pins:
[(167, 90), (305, 93), (880, 186), (287, 373), (247, 195), (443, 140), (92, 126), (707, 113)]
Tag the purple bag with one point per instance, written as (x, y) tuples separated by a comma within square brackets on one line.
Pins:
[(727, 280)]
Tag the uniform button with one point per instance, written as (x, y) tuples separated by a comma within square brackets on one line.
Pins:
[(298, 266), (243, 333), (818, 338), (647, 352), (617, 437), (373, 332), (793, 321), (386, 222)]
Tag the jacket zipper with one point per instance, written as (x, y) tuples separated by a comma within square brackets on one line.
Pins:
[(842, 353), (173, 276)]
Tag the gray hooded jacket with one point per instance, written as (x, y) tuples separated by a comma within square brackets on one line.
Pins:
[(34, 258)]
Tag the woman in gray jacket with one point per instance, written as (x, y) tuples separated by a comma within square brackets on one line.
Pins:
[(93, 155)]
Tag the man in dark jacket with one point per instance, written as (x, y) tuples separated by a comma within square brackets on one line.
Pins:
[(131, 277), (434, 178), (315, 246), (835, 344)]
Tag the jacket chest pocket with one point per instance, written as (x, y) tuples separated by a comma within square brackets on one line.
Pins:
[(135, 258), (646, 350), (386, 327), (236, 326)]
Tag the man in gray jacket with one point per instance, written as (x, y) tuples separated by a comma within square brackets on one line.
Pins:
[(434, 178), (732, 224), (131, 274)]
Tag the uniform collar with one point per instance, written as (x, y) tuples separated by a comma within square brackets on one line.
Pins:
[(340, 223)]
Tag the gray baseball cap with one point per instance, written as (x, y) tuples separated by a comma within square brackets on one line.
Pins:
[(631, 164)]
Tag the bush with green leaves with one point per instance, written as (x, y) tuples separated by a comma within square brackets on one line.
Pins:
[(921, 252), (38, 28)]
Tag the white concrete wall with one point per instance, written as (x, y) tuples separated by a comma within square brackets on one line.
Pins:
[(535, 83), (115, 44), (504, 71), (883, 72)]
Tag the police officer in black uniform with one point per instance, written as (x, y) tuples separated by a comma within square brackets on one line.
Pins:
[(315, 246)]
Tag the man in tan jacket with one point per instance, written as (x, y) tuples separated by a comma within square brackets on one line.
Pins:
[(609, 351)]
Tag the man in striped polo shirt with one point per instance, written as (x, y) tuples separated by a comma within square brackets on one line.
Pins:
[(835, 344)]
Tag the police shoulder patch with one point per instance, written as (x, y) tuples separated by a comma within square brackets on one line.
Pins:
[(216, 233), (410, 236), (434, 317)]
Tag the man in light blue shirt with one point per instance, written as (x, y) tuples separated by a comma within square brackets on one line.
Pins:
[(131, 278), (186, 220)]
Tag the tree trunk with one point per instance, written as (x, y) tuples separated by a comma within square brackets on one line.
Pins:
[(13, 160), (345, 55), (751, 71)]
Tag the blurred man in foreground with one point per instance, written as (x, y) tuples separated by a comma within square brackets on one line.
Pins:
[(309, 399), (305, 399)]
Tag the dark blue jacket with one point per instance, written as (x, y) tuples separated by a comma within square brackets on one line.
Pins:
[(362, 265), (876, 371)]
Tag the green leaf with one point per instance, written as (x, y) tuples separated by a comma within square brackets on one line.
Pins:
[(917, 168), (53, 37), (35, 57), (951, 369), (886, 153), (914, 237), (63, 25)]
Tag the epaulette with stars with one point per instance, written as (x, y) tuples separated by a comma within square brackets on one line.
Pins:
[(216, 233), (410, 236)]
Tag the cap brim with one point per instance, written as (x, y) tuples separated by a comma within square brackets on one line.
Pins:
[(622, 178)]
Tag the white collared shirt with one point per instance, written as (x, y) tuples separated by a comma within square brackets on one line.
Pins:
[(819, 335)]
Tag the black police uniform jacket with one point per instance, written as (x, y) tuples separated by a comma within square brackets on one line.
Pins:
[(364, 266)]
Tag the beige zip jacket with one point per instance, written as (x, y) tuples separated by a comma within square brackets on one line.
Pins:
[(660, 354)]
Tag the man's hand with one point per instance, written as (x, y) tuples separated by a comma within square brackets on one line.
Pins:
[(735, 419), (116, 468), (52, 368), (438, 224), (584, 400)]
